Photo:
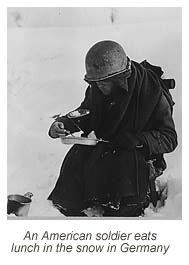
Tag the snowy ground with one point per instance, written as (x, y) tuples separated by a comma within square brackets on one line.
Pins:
[(45, 71)]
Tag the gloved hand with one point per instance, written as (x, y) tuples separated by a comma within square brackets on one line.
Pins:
[(56, 129), (128, 141)]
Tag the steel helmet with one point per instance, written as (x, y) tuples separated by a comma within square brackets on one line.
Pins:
[(104, 60)]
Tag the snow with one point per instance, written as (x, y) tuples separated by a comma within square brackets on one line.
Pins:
[(170, 204), (45, 77)]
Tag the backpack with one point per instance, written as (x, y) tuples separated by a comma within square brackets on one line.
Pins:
[(166, 84)]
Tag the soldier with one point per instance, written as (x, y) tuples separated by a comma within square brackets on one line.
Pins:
[(128, 109)]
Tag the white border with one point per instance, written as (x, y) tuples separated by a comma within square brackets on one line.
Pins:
[(169, 232)]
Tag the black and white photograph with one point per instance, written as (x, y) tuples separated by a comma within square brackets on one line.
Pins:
[(94, 113)]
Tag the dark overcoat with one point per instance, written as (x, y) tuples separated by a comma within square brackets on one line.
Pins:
[(108, 172)]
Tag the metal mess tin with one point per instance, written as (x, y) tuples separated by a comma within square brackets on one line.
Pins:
[(19, 204), (70, 138), (80, 140)]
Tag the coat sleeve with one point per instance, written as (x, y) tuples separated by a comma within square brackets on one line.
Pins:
[(163, 137), (76, 123)]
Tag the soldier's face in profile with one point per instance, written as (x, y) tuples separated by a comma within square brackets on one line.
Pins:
[(106, 86)]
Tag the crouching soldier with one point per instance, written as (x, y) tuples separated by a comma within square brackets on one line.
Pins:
[(128, 109)]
